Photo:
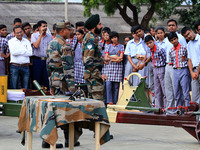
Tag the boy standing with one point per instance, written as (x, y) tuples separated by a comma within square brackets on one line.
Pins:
[(158, 57), (193, 61), (178, 59)]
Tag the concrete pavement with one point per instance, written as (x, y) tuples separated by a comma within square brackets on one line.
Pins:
[(126, 137)]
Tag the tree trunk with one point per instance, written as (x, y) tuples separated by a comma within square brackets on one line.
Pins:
[(147, 17)]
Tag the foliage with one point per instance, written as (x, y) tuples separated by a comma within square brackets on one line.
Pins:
[(164, 9)]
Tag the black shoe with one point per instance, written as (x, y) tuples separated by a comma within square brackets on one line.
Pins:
[(47, 145), (76, 144), (111, 137)]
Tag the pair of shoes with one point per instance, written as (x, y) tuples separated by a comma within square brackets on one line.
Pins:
[(47, 145), (76, 144)]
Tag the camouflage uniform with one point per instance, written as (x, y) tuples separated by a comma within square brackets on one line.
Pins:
[(60, 65), (93, 62)]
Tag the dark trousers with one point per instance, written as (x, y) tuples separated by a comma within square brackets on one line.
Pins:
[(40, 72), (112, 90)]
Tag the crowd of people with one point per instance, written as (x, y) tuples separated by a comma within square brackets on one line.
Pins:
[(169, 60)]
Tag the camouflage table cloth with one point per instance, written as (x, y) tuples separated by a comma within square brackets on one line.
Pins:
[(43, 114)]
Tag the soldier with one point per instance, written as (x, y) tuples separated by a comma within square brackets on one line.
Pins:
[(60, 68), (60, 64), (92, 58)]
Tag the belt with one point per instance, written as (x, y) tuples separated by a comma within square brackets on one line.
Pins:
[(180, 68), (195, 68), (158, 66), (41, 58), (20, 65)]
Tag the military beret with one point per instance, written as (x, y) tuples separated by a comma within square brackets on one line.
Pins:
[(92, 21), (63, 24)]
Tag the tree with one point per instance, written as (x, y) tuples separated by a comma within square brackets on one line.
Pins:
[(164, 9)]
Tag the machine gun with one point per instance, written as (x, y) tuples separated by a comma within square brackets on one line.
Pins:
[(135, 107)]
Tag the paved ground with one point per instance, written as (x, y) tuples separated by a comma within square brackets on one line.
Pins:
[(126, 137)]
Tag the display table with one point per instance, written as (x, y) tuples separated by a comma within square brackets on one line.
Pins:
[(43, 114)]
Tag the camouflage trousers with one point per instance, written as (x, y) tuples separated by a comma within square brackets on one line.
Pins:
[(94, 83), (95, 88)]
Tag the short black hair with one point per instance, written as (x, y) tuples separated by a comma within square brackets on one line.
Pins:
[(106, 30), (185, 29), (80, 31), (16, 27), (130, 38), (135, 28), (25, 24), (160, 28), (79, 24), (41, 22), (2, 26), (148, 38), (152, 28), (172, 20), (196, 24), (35, 26), (54, 26), (17, 20), (172, 35), (113, 34)]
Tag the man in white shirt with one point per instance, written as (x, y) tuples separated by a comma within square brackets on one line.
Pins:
[(20, 51)]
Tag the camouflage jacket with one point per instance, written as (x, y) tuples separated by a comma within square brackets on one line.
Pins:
[(60, 63), (91, 53)]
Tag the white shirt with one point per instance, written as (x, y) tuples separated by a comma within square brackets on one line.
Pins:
[(167, 46), (194, 51), (20, 51), (132, 48)]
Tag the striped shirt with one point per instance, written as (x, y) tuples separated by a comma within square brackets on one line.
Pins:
[(178, 56)]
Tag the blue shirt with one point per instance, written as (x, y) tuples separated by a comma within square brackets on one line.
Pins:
[(41, 50), (194, 51), (132, 48), (167, 46)]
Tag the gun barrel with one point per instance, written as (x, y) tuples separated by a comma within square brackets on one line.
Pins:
[(37, 85), (133, 108)]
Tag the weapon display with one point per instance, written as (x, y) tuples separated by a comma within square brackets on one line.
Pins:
[(135, 107)]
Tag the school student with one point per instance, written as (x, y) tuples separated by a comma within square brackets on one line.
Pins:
[(79, 68), (103, 43), (114, 52), (158, 56), (193, 61), (178, 59), (164, 43), (132, 48)]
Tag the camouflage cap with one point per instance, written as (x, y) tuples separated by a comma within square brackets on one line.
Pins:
[(63, 24)]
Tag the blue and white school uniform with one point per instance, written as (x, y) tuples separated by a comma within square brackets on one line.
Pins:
[(132, 49), (79, 68), (178, 58), (114, 73), (169, 76), (103, 48), (193, 54)]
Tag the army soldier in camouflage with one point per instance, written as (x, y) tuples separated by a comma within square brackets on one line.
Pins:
[(92, 59), (60, 61), (60, 68)]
